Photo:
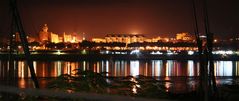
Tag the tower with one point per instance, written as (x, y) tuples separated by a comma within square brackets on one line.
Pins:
[(18, 27), (45, 28), (44, 34)]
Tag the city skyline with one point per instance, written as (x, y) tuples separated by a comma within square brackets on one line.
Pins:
[(97, 18), (47, 36)]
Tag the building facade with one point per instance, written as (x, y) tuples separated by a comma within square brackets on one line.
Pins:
[(121, 38), (184, 37), (45, 36)]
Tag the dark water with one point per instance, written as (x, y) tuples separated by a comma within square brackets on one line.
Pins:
[(182, 74)]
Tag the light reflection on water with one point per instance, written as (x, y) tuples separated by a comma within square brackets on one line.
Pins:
[(224, 68), (180, 73), (122, 68), (134, 68)]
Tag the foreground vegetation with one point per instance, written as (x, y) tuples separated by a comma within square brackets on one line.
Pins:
[(88, 81)]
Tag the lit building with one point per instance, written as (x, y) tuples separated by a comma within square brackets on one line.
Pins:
[(67, 37), (98, 40), (54, 38), (74, 40), (44, 34), (60, 39), (184, 37), (157, 39), (122, 38)]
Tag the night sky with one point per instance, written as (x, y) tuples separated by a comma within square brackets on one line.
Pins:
[(99, 17)]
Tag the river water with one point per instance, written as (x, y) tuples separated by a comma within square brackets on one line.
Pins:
[(182, 74)]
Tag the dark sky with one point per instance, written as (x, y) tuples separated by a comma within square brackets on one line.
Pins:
[(99, 17)]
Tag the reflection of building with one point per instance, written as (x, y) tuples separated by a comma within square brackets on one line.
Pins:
[(44, 34)]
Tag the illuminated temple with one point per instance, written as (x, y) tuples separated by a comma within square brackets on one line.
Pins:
[(45, 36)]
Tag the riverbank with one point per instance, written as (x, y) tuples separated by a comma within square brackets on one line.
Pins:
[(225, 92)]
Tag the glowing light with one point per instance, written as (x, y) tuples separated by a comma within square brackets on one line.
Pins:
[(223, 52), (190, 68), (59, 68), (169, 53), (73, 40), (203, 36), (167, 70), (84, 65), (167, 86), (190, 52), (135, 86), (21, 72), (229, 52), (58, 52), (83, 52), (215, 40), (160, 53), (107, 68), (169, 67), (134, 33), (134, 89), (156, 67), (135, 52)]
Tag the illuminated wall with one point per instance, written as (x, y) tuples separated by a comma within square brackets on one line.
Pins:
[(98, 40), (44, 35), (67, 37), (183, 36), (122, 38), (60, 39), (54, 38)]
